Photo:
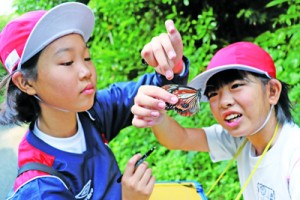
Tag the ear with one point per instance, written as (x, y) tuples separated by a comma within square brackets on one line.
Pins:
[(23, 84), (274, 87)]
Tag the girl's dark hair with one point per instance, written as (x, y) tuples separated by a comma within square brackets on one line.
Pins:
[(282, 108), (19, 107)]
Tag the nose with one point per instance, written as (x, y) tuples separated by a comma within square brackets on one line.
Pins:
[(84, 71), (226, 99)]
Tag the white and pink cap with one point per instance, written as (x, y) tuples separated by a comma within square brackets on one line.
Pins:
[(28, 34), (240, 55)]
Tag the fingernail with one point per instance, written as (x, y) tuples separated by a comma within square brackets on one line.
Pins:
[(150, 123), (174, 99), (171, 55), (169, 74), (170, 28), (162, 105), (154, 114)]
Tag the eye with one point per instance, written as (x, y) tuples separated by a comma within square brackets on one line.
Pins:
[(211, 91), (237, 84), (67, 63), (87, 59), (211, 94)]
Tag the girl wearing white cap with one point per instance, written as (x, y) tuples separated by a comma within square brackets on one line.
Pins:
[(52, 85), (253, 112)]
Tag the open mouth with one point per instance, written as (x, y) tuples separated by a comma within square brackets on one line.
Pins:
[(232, 117)]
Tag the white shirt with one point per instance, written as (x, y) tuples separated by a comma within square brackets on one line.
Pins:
[(278, 175), (73, 144)]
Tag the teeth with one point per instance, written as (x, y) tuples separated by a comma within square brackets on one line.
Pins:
[(232, 116)]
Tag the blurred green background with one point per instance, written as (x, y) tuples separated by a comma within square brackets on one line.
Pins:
[(123, 27)]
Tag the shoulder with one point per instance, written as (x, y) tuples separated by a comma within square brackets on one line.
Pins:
[(291, 127), (30, 153), (291, 133), (214, 129), (289, 142), (42, 185)]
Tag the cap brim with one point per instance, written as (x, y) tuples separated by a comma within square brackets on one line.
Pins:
[(200, 81), (61, 20)]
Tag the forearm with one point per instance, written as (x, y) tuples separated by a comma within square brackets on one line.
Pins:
[(168, 133), (173, 136)]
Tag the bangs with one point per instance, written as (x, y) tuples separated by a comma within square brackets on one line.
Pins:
[(223, 78), (228, 76)]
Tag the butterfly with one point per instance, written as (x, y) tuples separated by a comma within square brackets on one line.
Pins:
[(188, 99)]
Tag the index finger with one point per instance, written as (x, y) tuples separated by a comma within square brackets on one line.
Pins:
[(158, 93), (130, 167), (174, 35)]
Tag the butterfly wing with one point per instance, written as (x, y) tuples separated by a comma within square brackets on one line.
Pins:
[(188, 99)]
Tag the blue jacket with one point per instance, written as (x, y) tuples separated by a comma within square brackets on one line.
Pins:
[(92, 174)]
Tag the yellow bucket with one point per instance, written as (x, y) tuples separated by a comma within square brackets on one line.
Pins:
[(178, 190)]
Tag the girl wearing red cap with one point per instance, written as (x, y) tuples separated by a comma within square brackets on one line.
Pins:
[(255, 124), (52, 86)]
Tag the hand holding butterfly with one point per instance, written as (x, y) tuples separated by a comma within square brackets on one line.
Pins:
[(149, 111), (164, 52), (149, 105)]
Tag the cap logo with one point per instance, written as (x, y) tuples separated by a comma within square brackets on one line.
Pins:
[(11, 60)]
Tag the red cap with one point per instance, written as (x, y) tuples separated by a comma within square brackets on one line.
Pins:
[(241, 55), (244, 53), (27, 35), (14, 36)]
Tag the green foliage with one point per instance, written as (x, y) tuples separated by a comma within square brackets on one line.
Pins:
[(23, 6), (124, 27), (283, 43), (3, 22), (117, 43), (2, 74)]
